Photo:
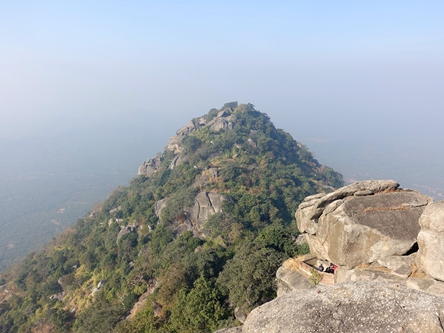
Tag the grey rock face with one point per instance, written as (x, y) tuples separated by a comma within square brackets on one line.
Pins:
[(205, 205), (148, 168), (221, 123), (362, 222), (431, 241), (179, 158), (174, 143), (159, 206), (125, 229), (364, 307)]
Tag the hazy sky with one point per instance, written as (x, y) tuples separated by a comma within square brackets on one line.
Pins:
[(328, 72)]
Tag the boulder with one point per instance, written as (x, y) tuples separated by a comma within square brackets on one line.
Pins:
[(159, 206), (194, 217), (362, 222), (289, 280), (179, 158), (174, 142), (348, 308), (240, 314), (125, 229), (148, 168), (221, 123), (431, 241)]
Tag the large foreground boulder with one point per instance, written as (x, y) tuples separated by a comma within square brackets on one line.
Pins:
[(362, 223), (349, 308), (431, 241)]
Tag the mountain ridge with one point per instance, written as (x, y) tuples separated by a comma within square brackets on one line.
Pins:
[(191, 272)]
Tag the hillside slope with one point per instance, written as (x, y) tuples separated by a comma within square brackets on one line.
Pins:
[(197, 234)]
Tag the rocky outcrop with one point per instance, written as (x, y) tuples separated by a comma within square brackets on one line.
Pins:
[(194, 217), (221, 122), (99, 287), (350, 307), (431, 241), (362, 223), (125, 229), (148, 168), (174, 143), (224, 120)]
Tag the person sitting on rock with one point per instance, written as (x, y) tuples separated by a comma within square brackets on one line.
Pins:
[(330, 269), (321, 268)]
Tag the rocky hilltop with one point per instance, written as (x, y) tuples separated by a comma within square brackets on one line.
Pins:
[(223, 119), (189, 245)]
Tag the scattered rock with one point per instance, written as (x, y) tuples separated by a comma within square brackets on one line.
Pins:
[(224, 120), (59, 297)]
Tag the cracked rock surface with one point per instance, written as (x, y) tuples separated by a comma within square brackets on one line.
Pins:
[(349, 308)]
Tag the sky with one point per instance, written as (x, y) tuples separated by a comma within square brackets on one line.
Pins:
[(360, 83)]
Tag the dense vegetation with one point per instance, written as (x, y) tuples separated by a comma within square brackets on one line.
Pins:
[(187, 283)]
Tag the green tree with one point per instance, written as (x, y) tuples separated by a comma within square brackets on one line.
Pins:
[(198, 311), (248, 277)]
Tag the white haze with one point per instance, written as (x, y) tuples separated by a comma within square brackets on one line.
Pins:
[(92, 90)]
